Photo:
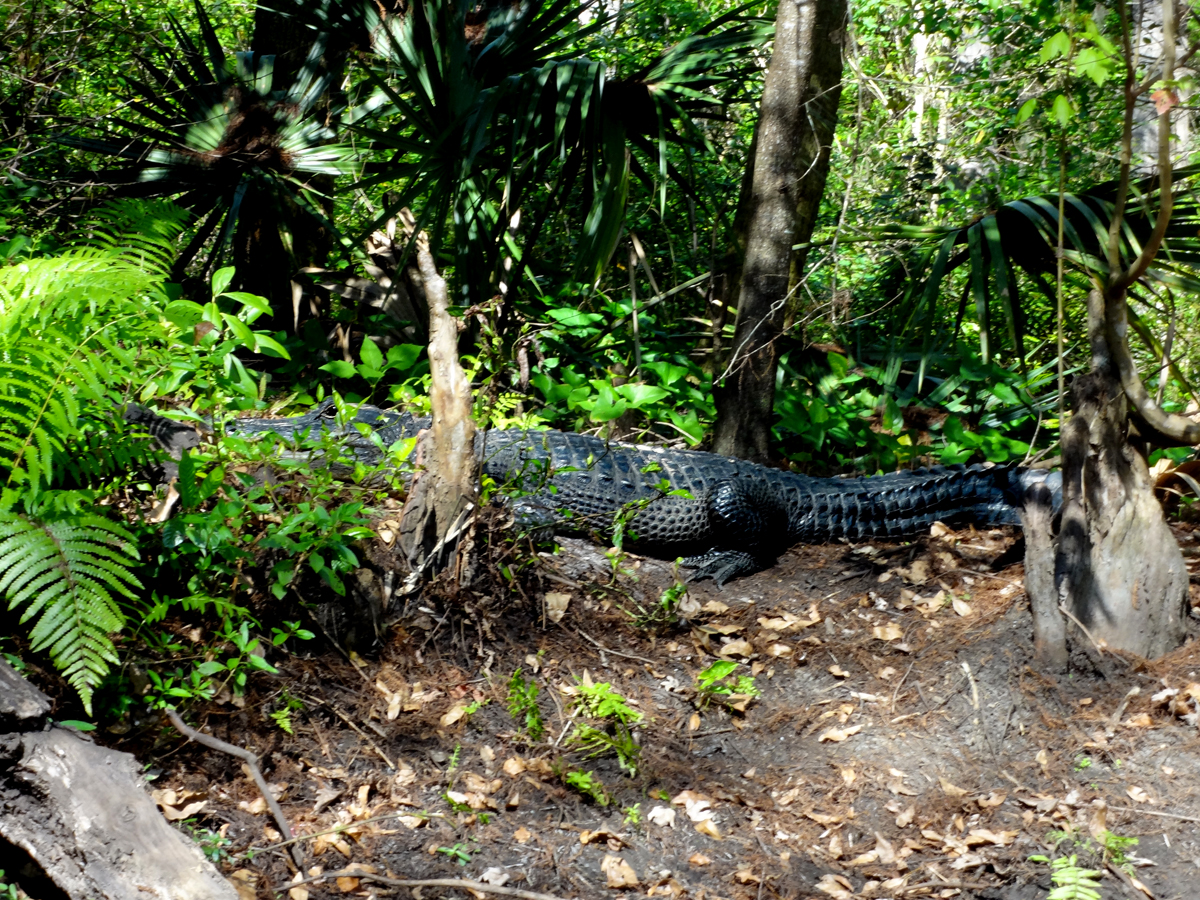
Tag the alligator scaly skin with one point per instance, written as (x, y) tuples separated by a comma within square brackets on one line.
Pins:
[(739, 516)]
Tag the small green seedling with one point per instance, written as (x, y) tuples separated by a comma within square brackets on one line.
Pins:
[(1070, 881), (587, 784), (522, 705), (716, 683), (456, 853)]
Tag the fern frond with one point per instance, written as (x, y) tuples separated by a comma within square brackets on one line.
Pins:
[(66, 571)]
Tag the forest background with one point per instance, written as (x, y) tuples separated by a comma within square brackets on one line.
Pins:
[(579, 169)]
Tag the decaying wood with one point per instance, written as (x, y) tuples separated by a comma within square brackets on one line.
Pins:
[(19, 700), (81, 813), (446, 489)]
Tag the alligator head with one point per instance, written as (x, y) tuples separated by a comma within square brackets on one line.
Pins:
[(354, 432)]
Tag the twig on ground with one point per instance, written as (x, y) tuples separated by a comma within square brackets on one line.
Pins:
[(960, 885), (362, 734), (1115, 719), (462, 883), (614, 652), (1151, 812), (1127, 882), (251, 761)]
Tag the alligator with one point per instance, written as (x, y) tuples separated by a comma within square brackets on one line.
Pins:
[(726, 517)]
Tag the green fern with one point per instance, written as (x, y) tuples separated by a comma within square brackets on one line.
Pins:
[(71, 328), (66, 569)]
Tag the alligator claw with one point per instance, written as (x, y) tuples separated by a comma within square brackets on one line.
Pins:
[(722, 565)]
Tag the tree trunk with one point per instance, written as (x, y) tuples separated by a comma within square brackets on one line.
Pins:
[(444, 492), (791, 160), (1119, 574)]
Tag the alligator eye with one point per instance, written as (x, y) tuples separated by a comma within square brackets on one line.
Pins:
[(329, 412)]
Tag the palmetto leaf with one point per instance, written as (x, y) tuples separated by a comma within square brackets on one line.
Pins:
[(489, 107), (218, 136), (1022, 235)]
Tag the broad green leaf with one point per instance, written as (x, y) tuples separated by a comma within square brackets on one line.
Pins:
[(1095, 64), (1059, 45), (222, 278), (1063, 110), (371, 355), (1027, 109), (339, 368)]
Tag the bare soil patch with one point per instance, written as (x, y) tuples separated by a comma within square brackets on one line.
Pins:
[(902, 746)]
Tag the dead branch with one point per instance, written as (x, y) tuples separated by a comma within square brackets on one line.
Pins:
[(251, 761)]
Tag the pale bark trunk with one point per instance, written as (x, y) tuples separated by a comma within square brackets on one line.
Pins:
[(443, 495), (791, 161)]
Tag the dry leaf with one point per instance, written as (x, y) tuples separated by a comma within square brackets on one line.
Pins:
[(473, 782), (1043, 760), (835, 886), (709, 827), (298, 893), (495, 875), (619, 873), (662, 816), (789, 797), (994, 798), (905, 818), (866, 859), (823, 819), (951, 789), (699, 859), (885, 850), (176, 805), (745, 876), (835, 846), (455, 714), (243, 881), (405, 775), (716, 607), (741, 647), (522, 835), (837, 735), (999, 838), (889, 632), (837, 671), (556, 605), (514, 766), (1141, 720), (603, 836), (693, 721), (1137, 794), (777, 650), (848, 775), (939, 529), (255, 807), (962, 607)]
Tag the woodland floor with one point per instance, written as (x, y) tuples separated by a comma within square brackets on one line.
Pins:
[(903, 746)]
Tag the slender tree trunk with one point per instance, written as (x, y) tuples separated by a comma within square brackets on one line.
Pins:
[(791, 161), (438, 513)]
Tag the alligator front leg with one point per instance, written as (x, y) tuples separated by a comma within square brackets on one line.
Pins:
[(722, 565)]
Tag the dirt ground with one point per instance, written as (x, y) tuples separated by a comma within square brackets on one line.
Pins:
[(902, 746)]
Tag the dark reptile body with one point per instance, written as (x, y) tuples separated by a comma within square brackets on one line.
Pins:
[(739, 516)]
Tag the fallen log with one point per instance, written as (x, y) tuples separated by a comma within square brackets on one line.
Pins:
[(81, 814)]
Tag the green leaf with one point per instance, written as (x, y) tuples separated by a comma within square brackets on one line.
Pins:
[(222, 278), (1027, 109), (1059, 45), (339, 368), (639, 395), (371, 355), (402, 357), (1063, 110), (1095, 64)]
